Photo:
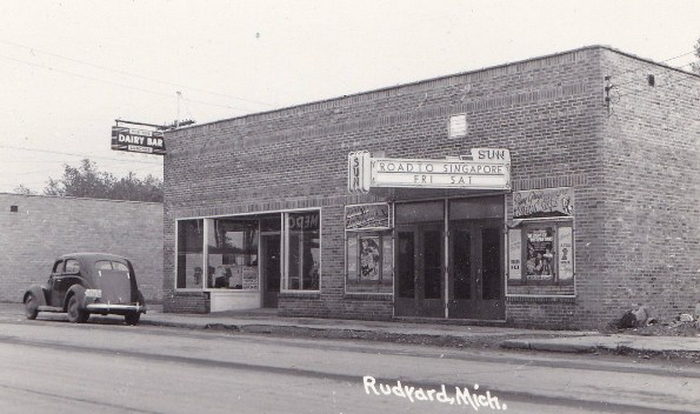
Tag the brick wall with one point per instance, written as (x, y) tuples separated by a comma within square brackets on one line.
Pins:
[(548, 111), (46, 227), (650, 199)]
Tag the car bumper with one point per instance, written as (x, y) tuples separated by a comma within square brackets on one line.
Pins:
[(114, 308)]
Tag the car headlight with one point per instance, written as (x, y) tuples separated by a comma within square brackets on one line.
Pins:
[(93, 293)]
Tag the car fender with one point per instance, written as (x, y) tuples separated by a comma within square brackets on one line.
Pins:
[(39, 293), (78, 290), (141, 300)]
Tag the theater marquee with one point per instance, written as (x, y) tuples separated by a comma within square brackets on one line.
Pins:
[(482, 169)]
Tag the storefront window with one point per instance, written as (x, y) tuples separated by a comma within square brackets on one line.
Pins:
[(369, 263), (190, 247), (232, 254), (541, 242), (303, 251), (541, 253)]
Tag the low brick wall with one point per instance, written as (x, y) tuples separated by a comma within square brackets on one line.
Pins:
[(45, 227)]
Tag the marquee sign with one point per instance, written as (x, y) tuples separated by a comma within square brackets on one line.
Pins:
[(482, 169), (137, 140)]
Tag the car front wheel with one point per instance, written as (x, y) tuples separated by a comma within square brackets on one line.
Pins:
[(31, 306), (132, 318), (75, 314)]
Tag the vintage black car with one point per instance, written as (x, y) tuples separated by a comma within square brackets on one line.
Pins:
[(85, 283)]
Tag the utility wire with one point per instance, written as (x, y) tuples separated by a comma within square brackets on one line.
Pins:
[(123, 72), (643, 68), (79, 155), (50, 68), (632, 92), (634, 80)]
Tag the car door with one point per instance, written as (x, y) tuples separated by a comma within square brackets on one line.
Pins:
[(61, 283), (54, 280)]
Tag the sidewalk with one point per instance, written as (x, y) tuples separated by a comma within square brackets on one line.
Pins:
[(394, 331), (426, 334), (261, 322)]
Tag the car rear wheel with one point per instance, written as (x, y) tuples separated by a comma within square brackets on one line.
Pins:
[(31, 306), (75, 314), (132, 318)]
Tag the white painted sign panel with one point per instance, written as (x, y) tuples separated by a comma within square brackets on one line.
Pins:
[(457, 127)]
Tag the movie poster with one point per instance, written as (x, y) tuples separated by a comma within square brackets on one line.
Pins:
[(540, 254), (370, 266)]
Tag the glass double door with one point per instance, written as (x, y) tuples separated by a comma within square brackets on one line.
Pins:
[(463, 281), (475, 273), (419, 270)]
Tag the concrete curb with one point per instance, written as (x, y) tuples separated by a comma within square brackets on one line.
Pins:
[(567, 344), (548, 346), (325, 332), (616, 347)]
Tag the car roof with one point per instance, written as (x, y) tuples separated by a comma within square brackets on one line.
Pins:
[(91, 256)]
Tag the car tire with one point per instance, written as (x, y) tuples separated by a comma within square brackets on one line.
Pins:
[(75, 314), (132, 318), (31, 306)]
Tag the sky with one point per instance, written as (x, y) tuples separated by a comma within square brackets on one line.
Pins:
[(68, 69)]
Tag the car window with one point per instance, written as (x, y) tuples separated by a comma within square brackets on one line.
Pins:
[(120, 266), (72, 266), (103, 265), (58, 267), (116, 269)]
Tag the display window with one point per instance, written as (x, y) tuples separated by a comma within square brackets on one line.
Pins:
[(369, 248), (369, 262), (303, 251), (541, 252), (232, 254), (190, 254), (223, 253)]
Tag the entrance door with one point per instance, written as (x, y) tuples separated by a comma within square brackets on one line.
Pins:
[(419, 263), (475, 280), (270, 266)]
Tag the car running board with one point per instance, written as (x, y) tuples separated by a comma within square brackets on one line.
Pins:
[(44, 308)]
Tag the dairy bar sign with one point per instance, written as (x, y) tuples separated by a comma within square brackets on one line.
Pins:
[(482, 169), (137, 140)]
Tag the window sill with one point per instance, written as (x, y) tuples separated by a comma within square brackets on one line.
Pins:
[(301, 294), (380, 297), (518, 282), (540, 299)]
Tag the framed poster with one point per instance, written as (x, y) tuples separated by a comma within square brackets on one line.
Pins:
[(566, 260), (540, 253), (515, 270), (370, 263)]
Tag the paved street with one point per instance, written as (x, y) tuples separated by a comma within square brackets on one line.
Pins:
[(105, 366)]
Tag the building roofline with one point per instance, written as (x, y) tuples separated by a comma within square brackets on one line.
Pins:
[(437, 78), (646, 60), (79, 198)]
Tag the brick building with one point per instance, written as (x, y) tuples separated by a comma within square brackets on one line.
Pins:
[(534, 193), (37, 229)]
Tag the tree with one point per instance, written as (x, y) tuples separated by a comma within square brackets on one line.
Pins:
[(21, 189), (87, 180), (696, 65)]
